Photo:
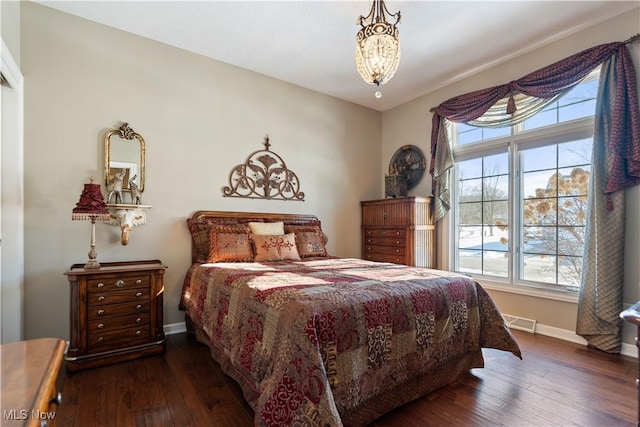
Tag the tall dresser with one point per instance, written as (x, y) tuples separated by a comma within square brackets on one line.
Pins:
[(399, 230)]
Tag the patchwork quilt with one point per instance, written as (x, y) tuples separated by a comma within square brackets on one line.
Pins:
[(311, 342)]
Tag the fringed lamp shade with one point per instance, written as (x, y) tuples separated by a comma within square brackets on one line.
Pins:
[(91, 207), (377, 45)]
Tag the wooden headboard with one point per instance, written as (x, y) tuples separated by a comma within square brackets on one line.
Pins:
[(222, 217)]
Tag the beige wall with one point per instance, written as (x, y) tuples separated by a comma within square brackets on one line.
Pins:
[(411, 124), (199, 118)]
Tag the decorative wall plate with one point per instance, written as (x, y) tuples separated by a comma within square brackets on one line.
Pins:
[(409, 161)]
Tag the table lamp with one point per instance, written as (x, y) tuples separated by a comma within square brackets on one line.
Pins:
[(91, 207)]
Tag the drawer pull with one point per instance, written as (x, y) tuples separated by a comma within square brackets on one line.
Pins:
[(397, 233), (397, 251), (139, 306), (138, 294), (138, 282), (369, 241), (56, 400), (384, 232), (101, 285), (397, 242), (119, 283), (138, 333), (100, 325), (138, 320), (100, 312), (101, 298), (101, 339)]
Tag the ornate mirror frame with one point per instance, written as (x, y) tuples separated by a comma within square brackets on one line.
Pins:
[(124, 132)]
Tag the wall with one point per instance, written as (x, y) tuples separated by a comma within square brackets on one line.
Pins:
[(411, 123), (11, 177), (199, 118)]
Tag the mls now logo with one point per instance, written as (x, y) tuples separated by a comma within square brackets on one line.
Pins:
[(15, 414)]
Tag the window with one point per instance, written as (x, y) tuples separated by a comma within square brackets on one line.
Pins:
[(521, 195)]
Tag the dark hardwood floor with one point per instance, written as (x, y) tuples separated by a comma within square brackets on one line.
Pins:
[(557, 384)]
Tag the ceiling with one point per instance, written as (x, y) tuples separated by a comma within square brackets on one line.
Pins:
[(311, 43)]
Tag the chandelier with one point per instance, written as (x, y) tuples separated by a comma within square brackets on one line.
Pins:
[(377, 45)]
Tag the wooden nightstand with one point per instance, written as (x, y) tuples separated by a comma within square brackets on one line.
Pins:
[(116, 313), (29, 373)]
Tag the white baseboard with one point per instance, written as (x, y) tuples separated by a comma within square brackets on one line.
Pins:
[(566, 335), (175, 328)]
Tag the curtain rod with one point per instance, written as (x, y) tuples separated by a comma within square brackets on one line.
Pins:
[(633, 39)]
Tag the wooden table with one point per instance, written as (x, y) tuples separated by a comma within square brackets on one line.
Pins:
[(29, 372)]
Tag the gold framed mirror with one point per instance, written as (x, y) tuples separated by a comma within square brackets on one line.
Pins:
[(124, 157)]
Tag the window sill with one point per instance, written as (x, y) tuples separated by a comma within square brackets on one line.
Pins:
[(564, 296)]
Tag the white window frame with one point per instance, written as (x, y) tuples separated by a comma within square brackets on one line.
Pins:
[(517, 140)]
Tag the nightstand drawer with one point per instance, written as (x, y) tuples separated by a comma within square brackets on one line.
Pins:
[(119, 338), (117, 297), (100, 312), (121, 322), (384, 233), (116, 283)]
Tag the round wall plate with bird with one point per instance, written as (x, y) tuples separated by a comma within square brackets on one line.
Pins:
[(409, 161)]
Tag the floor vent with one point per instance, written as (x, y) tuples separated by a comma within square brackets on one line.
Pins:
[(520, 323)]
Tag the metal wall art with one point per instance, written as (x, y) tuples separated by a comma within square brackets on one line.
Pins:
[(263, 175)]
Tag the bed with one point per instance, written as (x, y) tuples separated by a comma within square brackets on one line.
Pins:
[(318, 340)]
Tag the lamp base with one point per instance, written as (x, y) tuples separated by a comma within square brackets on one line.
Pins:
[(92, 264)]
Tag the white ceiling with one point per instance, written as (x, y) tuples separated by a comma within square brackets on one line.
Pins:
[(311, 43)]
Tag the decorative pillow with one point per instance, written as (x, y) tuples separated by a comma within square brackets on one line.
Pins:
[(275, 247), (230, 244), (270, 228), (310, 240), (200, 229)]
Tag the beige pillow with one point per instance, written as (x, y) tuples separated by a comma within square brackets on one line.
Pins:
[(275, 247), (270, 228)]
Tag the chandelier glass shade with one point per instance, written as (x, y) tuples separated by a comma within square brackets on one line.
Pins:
[(377, 45)]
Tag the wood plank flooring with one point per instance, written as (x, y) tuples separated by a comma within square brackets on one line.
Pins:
[(556, 384)]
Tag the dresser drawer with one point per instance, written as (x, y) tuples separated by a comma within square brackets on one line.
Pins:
[(115, 283), (117, 339), (385, 241), (396, 259), (384, 233), (384, 250), (104, 311), (121, 322), (117, 297)]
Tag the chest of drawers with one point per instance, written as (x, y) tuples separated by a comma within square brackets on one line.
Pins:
[(399, 230), (116, 313)]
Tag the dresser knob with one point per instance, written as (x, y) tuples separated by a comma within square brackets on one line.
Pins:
[(101, 285), (398, 242), (384, 232), (138, 282), (138, 320), (56, 400), (139, 306), (397, 233), (100, 339), (101, 298), (100, 311), (101, 325), (138, 294), (369, 241), (397, 251), (138, 333), (119, 283)]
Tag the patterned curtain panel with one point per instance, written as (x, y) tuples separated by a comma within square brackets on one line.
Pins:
[(615, 166), (516, 101)]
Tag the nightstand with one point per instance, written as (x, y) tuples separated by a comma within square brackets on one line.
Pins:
[(115, 313)]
